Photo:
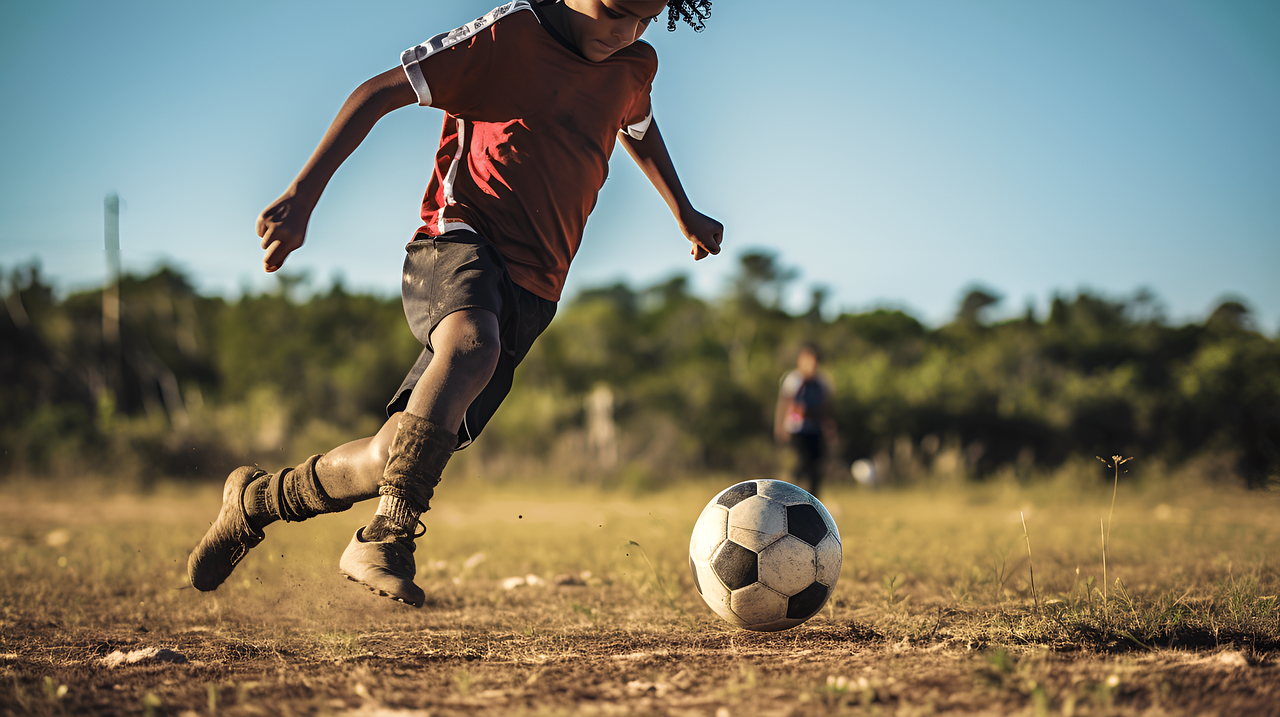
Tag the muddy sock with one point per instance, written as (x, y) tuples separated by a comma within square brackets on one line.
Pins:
[(255, 503), (295, 494), (395, 518), (415, 461)]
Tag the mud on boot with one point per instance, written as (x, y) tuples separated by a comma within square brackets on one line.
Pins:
[(387, 568), (230, 537)]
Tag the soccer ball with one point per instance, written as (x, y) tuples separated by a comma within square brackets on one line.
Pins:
[(765, 555)]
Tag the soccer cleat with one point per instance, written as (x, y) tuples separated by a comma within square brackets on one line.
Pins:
[(386, 568), (229, 538)]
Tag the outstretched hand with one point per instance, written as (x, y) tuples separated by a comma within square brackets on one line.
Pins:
[(705, 233), (283, 228)]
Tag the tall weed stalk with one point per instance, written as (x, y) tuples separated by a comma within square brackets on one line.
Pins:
[(1115, 463)]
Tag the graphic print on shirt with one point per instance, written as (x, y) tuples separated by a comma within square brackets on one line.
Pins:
[(491, 145)]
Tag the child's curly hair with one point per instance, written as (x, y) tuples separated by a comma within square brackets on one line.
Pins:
[(694, 12)]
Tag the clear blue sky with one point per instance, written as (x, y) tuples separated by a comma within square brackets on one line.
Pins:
[(895, 152)]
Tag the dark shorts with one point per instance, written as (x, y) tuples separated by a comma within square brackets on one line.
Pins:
[(461, 270)]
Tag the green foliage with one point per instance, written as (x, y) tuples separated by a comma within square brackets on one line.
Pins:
[(195, 383), (191, 383), (338, 355)]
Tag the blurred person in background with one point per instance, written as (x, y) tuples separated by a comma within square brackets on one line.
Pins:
[(803, 417)]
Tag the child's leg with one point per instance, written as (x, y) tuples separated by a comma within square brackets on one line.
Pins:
[(466, 352), (466, 348)]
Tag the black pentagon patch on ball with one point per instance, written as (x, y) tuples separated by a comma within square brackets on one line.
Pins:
[(805, 603), (694, 569), (804, 522), (737, 494), (736, 566)]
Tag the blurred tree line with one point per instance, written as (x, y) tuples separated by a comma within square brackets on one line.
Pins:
[(191, 385)]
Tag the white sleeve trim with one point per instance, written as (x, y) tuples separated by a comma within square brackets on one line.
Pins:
[(413, 58), (638, 130), (413, 71)]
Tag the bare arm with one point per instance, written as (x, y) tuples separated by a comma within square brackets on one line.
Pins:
[(283, 224), (651, 155), (779, 416)]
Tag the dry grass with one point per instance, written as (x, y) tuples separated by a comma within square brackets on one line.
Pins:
[(934, 610)]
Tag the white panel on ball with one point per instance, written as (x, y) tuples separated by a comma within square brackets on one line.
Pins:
[(783, 492), (756, 604), (757, 522), (788, 566), (830, 557), (710, 530), (716, 595)]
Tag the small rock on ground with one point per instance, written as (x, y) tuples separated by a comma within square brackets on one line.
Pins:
[(145, 656)]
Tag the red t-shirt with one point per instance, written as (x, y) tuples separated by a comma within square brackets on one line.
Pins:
[(529, 127)]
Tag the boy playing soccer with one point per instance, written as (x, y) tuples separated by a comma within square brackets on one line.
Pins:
[(535, 96)]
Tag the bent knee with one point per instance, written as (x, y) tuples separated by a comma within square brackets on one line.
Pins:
[(380, 445), (469, 337), (475, 349)]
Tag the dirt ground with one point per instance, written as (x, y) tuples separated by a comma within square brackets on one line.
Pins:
[(594, 631), (828, 669)]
